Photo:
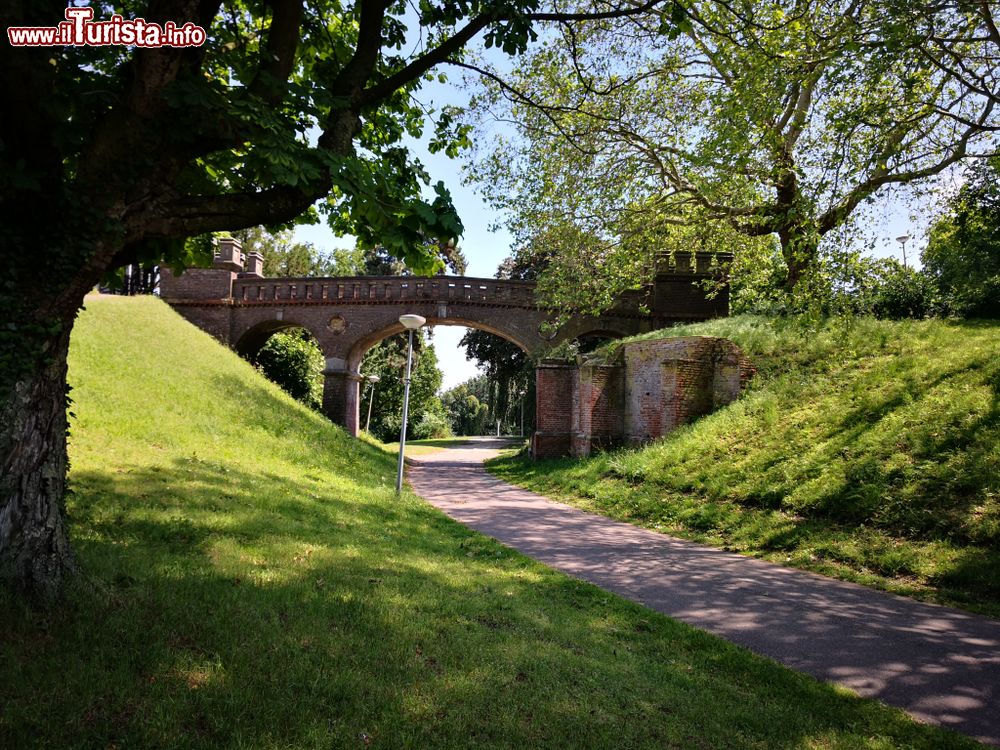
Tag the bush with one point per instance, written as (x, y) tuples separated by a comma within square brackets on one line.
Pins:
[(903, 292), (294, 361), (431, 425)]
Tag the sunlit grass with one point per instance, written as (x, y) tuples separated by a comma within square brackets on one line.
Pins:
[(865, 449), (256, 583), (422, 447)]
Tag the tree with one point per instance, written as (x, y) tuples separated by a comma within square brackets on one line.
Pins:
[(113, 155), (294, 361), (509, 373), (466, 413), (387, 360), (963, 252), (283, 256), (716, 124)]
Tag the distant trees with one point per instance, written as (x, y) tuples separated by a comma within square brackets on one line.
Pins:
[(467, 414), (387, 360), (477, 405), (963, 252), (283, 256)]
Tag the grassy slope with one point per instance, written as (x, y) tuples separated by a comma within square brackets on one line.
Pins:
[(866, 450), (258, 585)]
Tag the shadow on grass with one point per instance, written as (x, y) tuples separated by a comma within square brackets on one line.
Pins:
[(239, 610)]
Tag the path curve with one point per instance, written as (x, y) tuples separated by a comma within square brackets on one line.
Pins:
[(939, 664)]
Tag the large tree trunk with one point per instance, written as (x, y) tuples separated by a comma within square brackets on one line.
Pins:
[(35, 554), (800, 249)]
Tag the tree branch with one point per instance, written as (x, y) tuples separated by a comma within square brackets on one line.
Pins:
[(190, 215), (278, 57)]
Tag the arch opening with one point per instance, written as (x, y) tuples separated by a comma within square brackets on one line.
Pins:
[(251, 341), (289, 355), (587, 342), (470, 399)]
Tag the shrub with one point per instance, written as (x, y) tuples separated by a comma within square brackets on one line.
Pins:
[(431, 425), (294, 361), (902, 292)]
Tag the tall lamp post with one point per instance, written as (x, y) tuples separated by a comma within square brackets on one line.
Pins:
[(410, 323), (902, 240), (373, 379)]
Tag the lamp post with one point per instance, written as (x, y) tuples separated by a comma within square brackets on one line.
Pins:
[(410, 323), (523, 394), (902, 240), (373, 379)]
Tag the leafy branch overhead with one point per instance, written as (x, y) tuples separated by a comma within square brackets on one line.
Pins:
[(736, 120)]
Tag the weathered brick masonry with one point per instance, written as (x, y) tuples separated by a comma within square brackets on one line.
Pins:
[(649, 389), (347, 316)]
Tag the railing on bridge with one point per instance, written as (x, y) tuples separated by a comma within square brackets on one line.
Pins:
[(386, 289)]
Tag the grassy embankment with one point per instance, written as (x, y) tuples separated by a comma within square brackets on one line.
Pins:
[(865, 450), (255, 583)]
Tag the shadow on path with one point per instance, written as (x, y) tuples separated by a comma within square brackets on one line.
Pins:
[(940, 665)]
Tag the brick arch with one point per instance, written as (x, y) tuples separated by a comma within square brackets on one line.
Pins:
[(251, 341), (344, 397), (365, 343)]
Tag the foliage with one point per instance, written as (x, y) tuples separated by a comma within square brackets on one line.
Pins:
[(508, 374), (378, 261), (257, 583), (725, 127), (963, 252), (467, 415), (901, 292), (477, 405), (294, 361), (866, 450), (433, 424), (285, 257), (507, 388), (387, 361)]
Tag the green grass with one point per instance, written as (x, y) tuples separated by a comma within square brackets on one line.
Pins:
[(865, 450), (422, 447), (255, 583)]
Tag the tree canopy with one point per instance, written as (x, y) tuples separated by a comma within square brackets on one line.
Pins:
[(963, 254), (729, 126)]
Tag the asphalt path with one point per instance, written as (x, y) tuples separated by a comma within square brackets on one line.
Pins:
[(941, 665)]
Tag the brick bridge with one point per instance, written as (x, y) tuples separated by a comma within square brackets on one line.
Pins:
[(348, 315)]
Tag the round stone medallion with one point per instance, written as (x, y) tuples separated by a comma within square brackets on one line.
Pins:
[(337, 324)]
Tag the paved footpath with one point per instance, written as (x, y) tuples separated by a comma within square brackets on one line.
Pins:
[(939, 664)]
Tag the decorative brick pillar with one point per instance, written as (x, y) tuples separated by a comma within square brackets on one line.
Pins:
[(555, 408), (228, 255), (341, 395), (600, 406), (255, 266)]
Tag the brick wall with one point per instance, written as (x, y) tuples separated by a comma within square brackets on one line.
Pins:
[(196, 284), (556, 399), (599, 422), (651, 389)]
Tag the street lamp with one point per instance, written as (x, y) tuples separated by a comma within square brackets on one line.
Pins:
[(523, 394), (373, 379), (902, 240), (410, 323)]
